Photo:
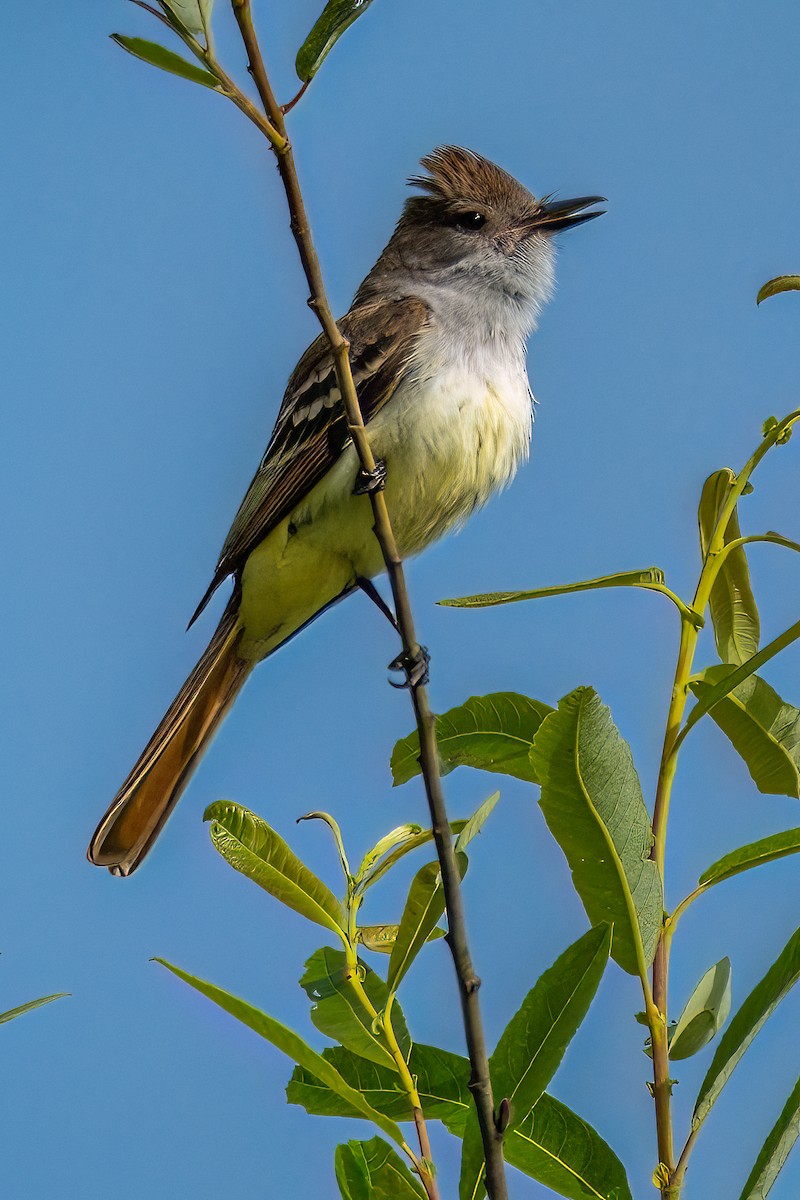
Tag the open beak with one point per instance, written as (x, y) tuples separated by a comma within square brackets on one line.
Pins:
[(555, 215)]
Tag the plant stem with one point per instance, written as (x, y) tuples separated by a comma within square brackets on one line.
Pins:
[(480, 1083)]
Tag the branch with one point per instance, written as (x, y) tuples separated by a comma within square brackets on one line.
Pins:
[(480, 1084)]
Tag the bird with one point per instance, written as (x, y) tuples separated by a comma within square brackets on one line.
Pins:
[(438, 335)]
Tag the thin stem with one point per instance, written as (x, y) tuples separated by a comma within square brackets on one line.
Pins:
[(480, 1084)]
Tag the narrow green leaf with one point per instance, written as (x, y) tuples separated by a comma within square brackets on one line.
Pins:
[(705, 1013), (775, 1150), (375, 870), (333, 825), (732, 680), (424, 907), (338, 1008), (394, 840), (337, 16), (290, 1043), (782, 283), (768, 849), (535, 1040), (732, 604), (492, 733), (24, 1008), (252, 847), (380, 939), (476, 822), (193, 15), (165, 60), (552, 1144), (759, 1005), (592, 802), (645, 578), (373, 1171), (762, 728)]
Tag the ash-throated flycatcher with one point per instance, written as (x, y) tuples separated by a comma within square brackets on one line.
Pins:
[(438, 333)]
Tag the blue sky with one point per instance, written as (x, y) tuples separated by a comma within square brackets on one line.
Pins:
[(152, 309)]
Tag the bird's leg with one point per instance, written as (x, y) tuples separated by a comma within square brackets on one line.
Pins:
[(369, 589), (413, 666), (368, 482)]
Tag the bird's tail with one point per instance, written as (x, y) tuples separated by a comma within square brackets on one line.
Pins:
[(154, 786)]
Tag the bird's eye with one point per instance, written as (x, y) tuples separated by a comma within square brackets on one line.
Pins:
[(469, 220)]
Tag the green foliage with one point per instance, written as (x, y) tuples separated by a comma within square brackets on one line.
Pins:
[(775, 1150), (492, 733), (372, 1171), (399, 843), (592, 802), (24, 1008), (757, 1008), (535, 1039), (252, 847), (336, 17), (337, 990), (166, 60), (782, 283), (732, 604), (644, 578), (192, 15), (766, 850), (762, 728), (705, 1013), (290, 1043), (423, 909)]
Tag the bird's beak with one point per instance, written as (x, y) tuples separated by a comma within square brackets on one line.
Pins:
[(556, 215)]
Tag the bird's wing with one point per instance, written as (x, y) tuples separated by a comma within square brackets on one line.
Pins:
[(311, 430)]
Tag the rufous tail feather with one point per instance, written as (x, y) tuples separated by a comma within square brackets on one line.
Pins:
[(154, 786)]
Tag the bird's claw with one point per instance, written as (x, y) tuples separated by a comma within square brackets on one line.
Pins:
[(414, 667), (368, 482)]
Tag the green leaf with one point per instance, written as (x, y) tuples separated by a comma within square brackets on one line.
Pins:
[(290, 1043), (442, 1082), (759, 1005), (645, 578), (165, 60), (476, 822), (193, 15), (768, 849), (338, 1009), (492, 733), (775, 1150), (592, 802), (535, 1040), (733, 678), (782, 283), (705, 1013), (373, 1171), (23, 1008), (374, 870), (559, 1149), (380, 939), (732, 604), (252, 847), (333, 825), (337, 16), (552, 1144), (763, 729), (424, 907)]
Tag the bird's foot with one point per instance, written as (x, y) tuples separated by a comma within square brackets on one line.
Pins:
[(414, 667), (368, 482)]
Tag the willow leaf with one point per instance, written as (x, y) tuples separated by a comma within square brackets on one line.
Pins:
[(768, 849), (165, 60), (24, 1008), (252, 847), (732, 604), (492, 733), (761, 727), (424, 907), (705, 1013), (290, 1043), (643, 578), (373, 1171), (774, 287), (592, 802), (775, 1150), (757, 1008), (336, 17)]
